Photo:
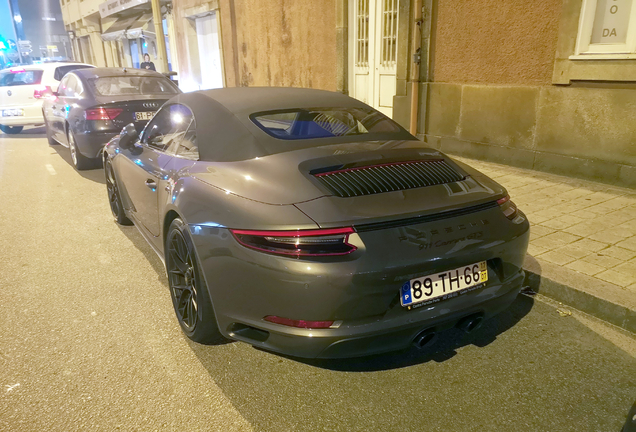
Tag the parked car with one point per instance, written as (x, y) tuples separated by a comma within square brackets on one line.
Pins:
[(307, 223), (93, 105), (630, 422), (22, 90)]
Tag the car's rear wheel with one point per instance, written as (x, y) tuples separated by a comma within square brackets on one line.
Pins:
[(11, 129), (114, 198), (80, 162), (188, 290)]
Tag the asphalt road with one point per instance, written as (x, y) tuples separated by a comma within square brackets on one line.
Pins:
[(89, 341)]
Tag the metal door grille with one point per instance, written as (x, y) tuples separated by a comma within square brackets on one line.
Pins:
[(362, 39), (389, 32)]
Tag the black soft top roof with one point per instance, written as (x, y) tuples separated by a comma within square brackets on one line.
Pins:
[(226, 133)]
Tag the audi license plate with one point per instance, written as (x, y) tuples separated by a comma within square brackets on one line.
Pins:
[(12, 112), (145, 115), (448, 283)]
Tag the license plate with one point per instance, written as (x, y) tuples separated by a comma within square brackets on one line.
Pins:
[(430, 287), (145, 115), (12, 112)]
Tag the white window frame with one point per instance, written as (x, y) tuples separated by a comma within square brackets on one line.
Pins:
[(585, 50)]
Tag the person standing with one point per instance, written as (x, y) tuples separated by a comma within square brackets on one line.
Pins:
[(147, 64)]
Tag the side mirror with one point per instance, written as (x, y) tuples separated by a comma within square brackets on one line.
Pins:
[(128, 136)]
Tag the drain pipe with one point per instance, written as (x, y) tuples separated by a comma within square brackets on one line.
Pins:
[(415, 67)]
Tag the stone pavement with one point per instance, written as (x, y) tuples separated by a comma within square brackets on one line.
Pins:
[(582, 241)]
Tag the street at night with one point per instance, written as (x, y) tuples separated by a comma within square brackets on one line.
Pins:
[(89, 341)]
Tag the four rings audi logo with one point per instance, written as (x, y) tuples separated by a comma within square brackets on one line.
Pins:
[(151, 105)]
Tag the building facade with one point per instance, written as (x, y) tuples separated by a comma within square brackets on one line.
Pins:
[(542, 84), (117, 33)]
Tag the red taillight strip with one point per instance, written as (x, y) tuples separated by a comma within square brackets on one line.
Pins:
[(299, 323), (377, 166), (41, 90), (102, 113), (503, 200), (295, 234), (299, 233)]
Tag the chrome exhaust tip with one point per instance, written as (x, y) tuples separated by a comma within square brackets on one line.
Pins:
[(424, 338), (470, 323)]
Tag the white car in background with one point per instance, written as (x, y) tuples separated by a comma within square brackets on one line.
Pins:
[(22, 89)]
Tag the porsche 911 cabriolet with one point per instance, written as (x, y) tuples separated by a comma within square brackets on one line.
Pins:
[(307, 223)]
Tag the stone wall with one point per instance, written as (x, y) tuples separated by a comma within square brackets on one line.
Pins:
[(269, 43), (587, 132), (492, 95)]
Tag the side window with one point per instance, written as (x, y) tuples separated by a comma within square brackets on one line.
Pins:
[(68, 86), (62, 88), (61, 71), (79, 87), (168, 128), (187, 147)]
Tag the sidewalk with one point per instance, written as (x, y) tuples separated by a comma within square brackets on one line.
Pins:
[(582, 248)]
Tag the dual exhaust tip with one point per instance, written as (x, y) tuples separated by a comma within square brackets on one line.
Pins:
[(428, 336)]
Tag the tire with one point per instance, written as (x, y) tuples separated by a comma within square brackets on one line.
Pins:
[(49, 136), (114, 198), (11, 130), (80, 162), (188, 290)]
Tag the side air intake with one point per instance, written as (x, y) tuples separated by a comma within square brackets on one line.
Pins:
[(368, 180)]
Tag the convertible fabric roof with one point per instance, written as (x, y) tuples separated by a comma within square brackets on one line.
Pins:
[(225, 132)]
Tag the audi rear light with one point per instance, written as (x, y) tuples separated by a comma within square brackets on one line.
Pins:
[(17, 70), (299, 323), (102, 113), (508, 208), (319, 242), (42, 91)]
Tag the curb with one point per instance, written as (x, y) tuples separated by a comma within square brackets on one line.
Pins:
[(603, 300)]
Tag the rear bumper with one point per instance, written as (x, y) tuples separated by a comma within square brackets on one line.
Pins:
[(381, 336), (360, 290), (91, 144), (32, 116)]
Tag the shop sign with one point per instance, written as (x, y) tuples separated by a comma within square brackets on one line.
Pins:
[(113, 6)]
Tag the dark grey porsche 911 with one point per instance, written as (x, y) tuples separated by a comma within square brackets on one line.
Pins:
[(307, 223)]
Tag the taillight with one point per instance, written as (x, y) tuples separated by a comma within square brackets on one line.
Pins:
[(319, 242), (508, 208), (42, 91), (102, 113), (299, 323)]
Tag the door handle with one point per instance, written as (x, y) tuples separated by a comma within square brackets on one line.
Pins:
[(151, 184)]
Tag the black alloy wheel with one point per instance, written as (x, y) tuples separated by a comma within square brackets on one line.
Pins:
[(114, 198), (80, 162), (11, 130), (189, 293)]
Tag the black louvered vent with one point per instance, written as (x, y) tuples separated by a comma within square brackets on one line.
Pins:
[(388, 177)]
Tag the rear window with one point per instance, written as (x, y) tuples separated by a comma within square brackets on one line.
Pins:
[(324, 123), (63, 70), (132, 85), (20, 77)]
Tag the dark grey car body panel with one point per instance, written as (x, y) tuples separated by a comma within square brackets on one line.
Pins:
[(400, 235)]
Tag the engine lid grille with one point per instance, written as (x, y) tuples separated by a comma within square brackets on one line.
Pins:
[(389, 177)]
